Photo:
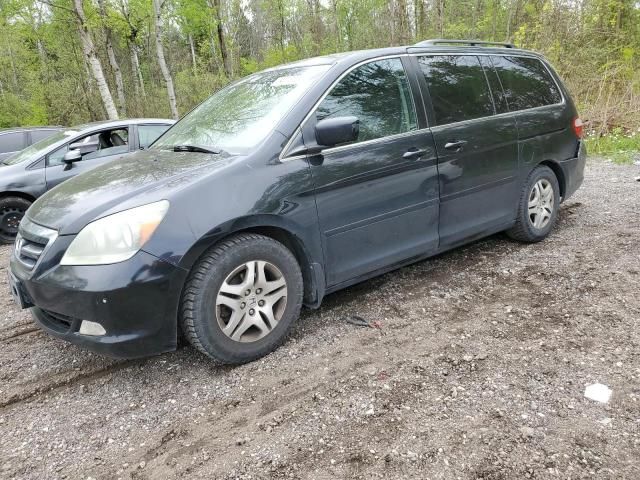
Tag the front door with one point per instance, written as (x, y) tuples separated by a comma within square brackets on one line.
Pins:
[(377, 198), (477, 145), (97, 149)]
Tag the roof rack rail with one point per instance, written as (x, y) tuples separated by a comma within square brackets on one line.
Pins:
[(472, 43)]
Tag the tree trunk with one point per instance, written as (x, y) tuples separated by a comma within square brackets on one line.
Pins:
[(224, 53), (135, 66), (94, 62), (113, 61), (157, 7), (193, 53)]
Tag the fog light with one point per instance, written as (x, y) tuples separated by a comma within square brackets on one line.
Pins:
[(91, 328)]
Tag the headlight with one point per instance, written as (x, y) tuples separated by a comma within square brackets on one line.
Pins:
[(117, 237)]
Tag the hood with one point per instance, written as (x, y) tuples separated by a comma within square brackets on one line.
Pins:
[(137, 179)]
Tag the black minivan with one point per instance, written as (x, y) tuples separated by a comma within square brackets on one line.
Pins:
[(293, 183)]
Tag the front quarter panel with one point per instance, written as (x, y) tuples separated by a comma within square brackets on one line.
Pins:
[(257, 191), (19, 178)]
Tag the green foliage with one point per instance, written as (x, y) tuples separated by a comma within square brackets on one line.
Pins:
[(594, 44), (618, 146)]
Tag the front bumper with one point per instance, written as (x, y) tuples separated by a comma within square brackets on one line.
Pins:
[(136, 302), (573, 170)]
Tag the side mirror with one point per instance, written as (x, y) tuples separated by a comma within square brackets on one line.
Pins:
[(335, 131), (70, 157)]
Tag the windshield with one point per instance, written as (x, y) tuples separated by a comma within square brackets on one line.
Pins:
[(38, 148), (240, 116)]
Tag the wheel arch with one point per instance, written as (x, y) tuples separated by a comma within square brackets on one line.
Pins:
[(557, 170), (18, 194), (278, 229)]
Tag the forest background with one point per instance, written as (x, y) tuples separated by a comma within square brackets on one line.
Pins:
[(65, 62)]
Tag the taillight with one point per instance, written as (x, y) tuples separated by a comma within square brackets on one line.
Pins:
[(577, 127)]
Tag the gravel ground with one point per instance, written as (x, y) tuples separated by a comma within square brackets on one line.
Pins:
[(478, 370)]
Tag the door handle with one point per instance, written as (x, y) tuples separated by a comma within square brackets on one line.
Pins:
[(414, 153), (456, 145)]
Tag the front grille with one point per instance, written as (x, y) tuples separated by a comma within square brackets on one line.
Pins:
[(28, 252), (31, 242)]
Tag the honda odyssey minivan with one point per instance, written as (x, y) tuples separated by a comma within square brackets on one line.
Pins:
[(293, 183)]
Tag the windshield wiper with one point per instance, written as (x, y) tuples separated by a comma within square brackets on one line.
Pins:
[(196, 148)]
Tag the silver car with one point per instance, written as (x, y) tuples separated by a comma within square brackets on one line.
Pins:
[(26, 175)]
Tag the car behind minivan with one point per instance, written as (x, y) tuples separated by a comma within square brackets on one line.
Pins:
[(27, 174), (12, 140), (293, 183)]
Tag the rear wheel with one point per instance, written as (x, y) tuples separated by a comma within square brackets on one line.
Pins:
[(12, 210), (538, 206), (241, 299)]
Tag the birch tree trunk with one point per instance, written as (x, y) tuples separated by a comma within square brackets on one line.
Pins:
[(193, 53), (171, 93), (89, 51), (113, 61), (135, 66)]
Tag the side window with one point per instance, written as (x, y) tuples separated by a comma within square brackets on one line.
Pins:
[(85, 145), (499, 98), (147, 134), (96, 145), (12, 142), (110, 142), (378, 94), (526, 82), (457, 87)]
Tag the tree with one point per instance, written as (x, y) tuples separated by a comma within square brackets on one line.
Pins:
[(113, 61), (94, 62), (157, 7), (52, 52)]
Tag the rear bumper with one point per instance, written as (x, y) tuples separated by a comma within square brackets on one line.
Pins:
[(573, 170), (136, 302)]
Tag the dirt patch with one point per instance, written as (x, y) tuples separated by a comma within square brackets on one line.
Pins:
[(478, 371)]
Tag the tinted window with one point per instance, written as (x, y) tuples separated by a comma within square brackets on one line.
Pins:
[(499, 98), (147, 134), (37, 135), (457, 86), (11, 142), (526, 82), (378, 94)]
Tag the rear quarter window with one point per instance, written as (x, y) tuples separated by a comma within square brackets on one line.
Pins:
[(526, 82)]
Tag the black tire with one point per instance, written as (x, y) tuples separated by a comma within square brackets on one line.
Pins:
[(524, 229), (200, 314), (12, 210)]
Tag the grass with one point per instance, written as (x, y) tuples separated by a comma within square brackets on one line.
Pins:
[(617, 146)]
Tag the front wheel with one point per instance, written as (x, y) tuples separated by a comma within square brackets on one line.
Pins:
[(538, 206), (12, 209), (241, 298)]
